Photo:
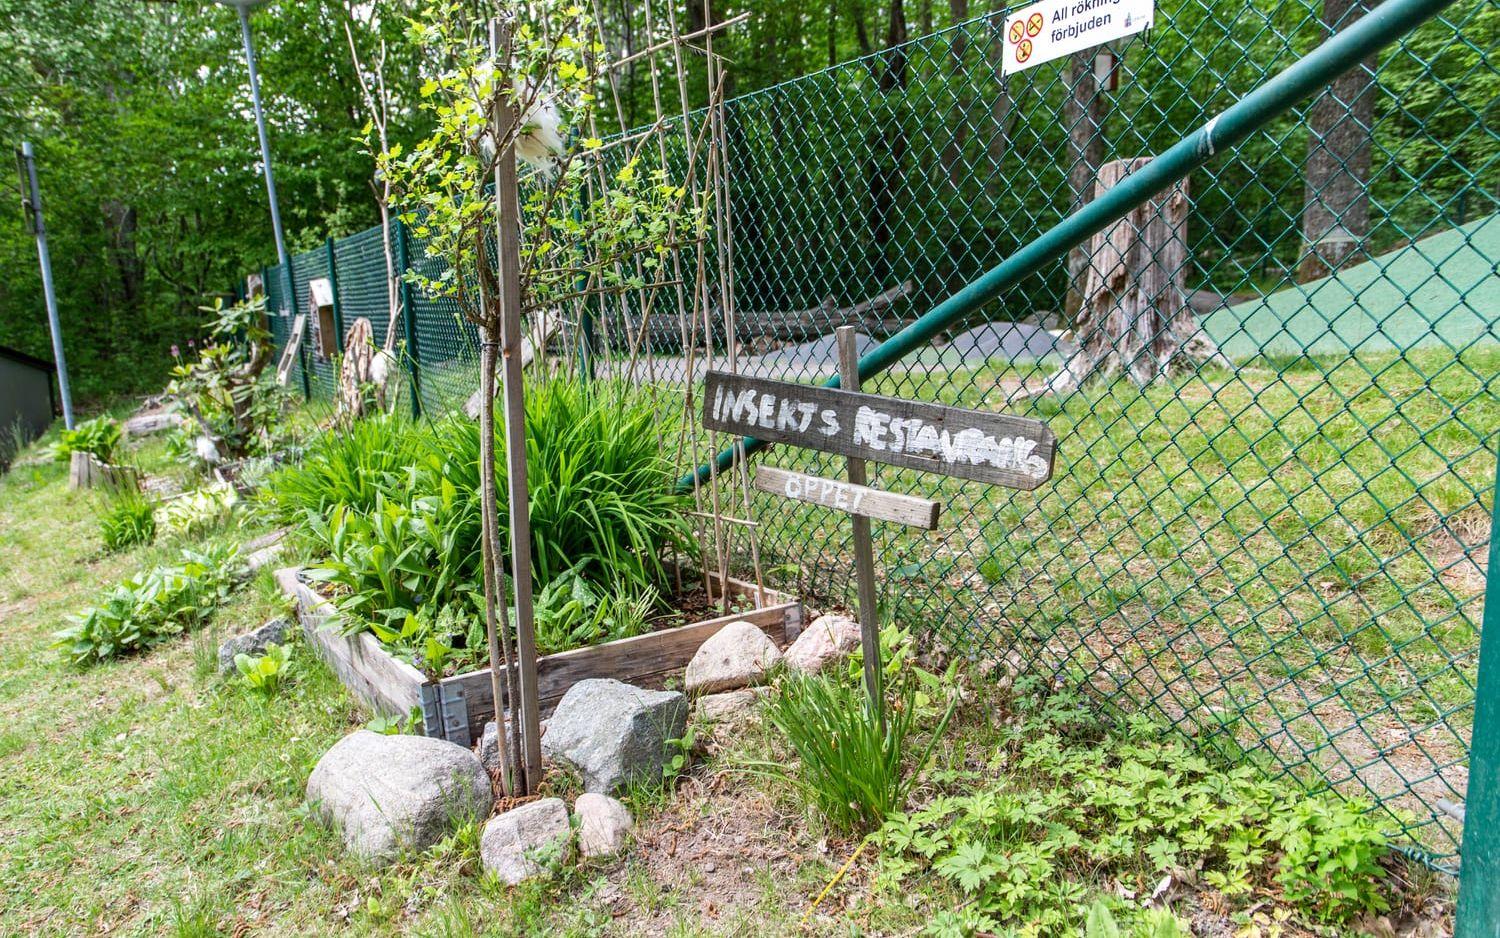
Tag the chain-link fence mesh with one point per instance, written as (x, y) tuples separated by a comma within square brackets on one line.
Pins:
[(1280, 552)]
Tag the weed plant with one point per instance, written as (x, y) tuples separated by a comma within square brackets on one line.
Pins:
[(99, 436), (127, 518)]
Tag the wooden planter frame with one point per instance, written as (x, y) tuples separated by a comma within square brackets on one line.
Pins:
[(456, 708)]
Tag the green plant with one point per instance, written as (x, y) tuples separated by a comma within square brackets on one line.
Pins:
[(572, 611), (349, 466), (265, 674), (851, 766), (99, 436), (196, 513), (151, 607), (221, 390), (126, 518), (679, 755)]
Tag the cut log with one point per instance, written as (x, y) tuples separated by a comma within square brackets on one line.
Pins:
[(1135, 315), (85, 471), (664, 330)]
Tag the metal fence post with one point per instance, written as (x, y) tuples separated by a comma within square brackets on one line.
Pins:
[(333, 285), (409, 318), (1479, 879)]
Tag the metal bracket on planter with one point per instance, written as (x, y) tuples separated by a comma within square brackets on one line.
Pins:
[(445, 714)]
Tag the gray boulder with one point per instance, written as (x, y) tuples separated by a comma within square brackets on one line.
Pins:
[(828, 638), (516, 844), (603, 824), (614, 733), (738, 655), (388, 794), (730, 705), (489, 748), (252, 643)]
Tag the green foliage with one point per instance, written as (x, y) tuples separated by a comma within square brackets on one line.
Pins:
[(126, 518), (99, 436), (1131, 807), (222, 389), (195, 513), (151, 607), (398, 525), (572, 611), (265, 674), (852, 769)]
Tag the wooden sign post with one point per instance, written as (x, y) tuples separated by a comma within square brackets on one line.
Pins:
[(998, 448)]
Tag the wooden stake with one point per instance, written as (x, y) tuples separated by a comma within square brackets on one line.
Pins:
[(508, 239), (864, 545)]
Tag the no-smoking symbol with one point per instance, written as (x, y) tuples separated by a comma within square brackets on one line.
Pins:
[(1023, 50)]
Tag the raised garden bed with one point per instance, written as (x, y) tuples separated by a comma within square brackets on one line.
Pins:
[(456, 708)]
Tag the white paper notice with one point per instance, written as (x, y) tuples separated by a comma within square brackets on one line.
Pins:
[(1055, 28)]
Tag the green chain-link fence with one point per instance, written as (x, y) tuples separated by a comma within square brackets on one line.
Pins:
[(1282, 554)]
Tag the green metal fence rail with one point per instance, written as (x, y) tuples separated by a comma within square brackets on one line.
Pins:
[(1284, 556)]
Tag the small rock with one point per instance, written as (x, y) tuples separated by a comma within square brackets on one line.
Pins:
[(252, 643), (828, 638), (515, 845), (386, 794), (614, 733), (712, 708), (738, 655), (603, 823), (489, 749)]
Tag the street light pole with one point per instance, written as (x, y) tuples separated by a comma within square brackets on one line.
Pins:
[(33, 195), (243, 8)]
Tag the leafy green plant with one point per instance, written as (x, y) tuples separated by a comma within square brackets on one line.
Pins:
[(99, 436), (402, 536), (151, 607), (221, 391), (572, 611), (855, 771), (126, 518), (265, 674), (196, 513), (1132, 806)]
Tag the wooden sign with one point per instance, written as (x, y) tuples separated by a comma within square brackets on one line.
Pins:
[(967, 444), (289, 354), (848, 497)]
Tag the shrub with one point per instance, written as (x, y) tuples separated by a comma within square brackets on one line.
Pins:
[(99, 436), (151, 607), (126, 518), (855, 772)]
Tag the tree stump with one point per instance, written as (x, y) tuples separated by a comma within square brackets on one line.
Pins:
[(86, 471), (1135, 315)]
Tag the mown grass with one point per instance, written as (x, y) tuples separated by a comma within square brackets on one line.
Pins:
[(1283, 555)]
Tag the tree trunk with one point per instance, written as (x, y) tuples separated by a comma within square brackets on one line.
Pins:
[(833, 33), (1084, 111), (496, 631), (1336, 206), (958, 123), (888, 150), (1135, 315)]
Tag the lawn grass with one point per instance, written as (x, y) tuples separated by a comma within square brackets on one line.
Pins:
[(147, 797), (1284, 557)]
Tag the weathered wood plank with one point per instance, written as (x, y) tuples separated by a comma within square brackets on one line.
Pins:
[(644, 660), (848, 497), (384, 682), (968, 444)]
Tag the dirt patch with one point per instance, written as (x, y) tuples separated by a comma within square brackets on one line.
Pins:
[(711, 850)]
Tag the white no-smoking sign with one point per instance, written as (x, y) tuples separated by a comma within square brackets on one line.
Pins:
[(1052, 29)]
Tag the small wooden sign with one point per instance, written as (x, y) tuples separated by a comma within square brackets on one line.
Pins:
[(848, 497), (968, 444), (289, 354)]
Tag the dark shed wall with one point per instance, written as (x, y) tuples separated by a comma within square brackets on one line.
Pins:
[(25, 395)]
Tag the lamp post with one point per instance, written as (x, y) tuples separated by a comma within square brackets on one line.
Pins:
[(243, 7)]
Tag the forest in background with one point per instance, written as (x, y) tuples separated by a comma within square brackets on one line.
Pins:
[(140, 114)]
